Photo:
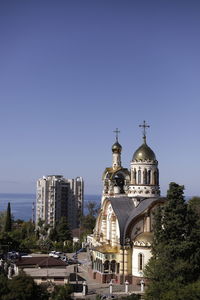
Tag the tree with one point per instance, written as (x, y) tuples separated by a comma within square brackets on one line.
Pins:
[(3, 285), (88, 221), (8, 221), (63, 231), (194, 204), (22, 287), (175, 262), (2, 220), (62, 292)]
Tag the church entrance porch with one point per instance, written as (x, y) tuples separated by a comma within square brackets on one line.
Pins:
[(105, 270)]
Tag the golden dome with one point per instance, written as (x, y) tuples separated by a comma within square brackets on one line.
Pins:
[(116, 147), (144, 153)]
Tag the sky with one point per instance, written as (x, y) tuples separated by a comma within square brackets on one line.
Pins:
[(73, 71)]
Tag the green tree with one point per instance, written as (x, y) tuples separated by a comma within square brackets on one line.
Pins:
[(62, 292), (63, 231), (194, 204), (2, 220), (22, 287), (8, 221), (175, 262), (88, 221), (3, 285)]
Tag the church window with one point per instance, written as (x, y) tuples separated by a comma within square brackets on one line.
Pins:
[(149, 177), (108, 222), (145, 176), (134, 176), (113, 266), (139, 177), (140, 261), (155, 177)]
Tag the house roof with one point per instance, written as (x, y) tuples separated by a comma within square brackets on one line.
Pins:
[(45, 272), (41, 261)]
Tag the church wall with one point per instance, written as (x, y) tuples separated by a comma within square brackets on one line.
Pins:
[(146, 253), (137, 229)]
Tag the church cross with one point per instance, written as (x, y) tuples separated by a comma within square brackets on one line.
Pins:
[(144, 126), (116, 131)]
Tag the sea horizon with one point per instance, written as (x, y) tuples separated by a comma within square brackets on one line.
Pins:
[(21, 203)]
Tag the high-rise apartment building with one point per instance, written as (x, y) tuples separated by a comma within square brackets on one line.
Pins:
[(58, 197)]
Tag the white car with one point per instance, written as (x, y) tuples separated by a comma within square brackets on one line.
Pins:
[(54, 254)]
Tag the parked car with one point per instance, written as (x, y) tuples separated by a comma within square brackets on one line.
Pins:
[(12, 255), (53, 254), (56, 254)]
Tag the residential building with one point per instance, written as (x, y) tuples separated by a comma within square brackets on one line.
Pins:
[(43, 269), (58, 197)]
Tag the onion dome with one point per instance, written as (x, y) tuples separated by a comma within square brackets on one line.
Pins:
[(144, 153), (116, 147)]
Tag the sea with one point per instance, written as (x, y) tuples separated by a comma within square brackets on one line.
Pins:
[(21, 204)]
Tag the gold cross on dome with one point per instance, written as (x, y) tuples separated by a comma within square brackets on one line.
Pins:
[(144, 126), (116, 131)]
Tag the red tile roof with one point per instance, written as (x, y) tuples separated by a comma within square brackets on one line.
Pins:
[(41, 261)]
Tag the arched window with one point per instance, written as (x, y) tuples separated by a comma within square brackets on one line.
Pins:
[(119, 181), (106, 266), (140, 262), (149, 177), (155, 177), (134, 175), (113, 266), (145, 176), (139, 177), (108, 223)]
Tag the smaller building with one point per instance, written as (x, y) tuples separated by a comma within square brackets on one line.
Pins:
[(43, 269)]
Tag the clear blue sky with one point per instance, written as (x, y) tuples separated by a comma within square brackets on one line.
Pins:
[(73, 71)]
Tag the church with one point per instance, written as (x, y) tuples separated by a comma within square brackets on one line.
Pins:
[(120, 245)]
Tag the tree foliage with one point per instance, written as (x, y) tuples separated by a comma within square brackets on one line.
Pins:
[(8, 220), (62, 292), (194, 204), (175, 264), (88, 221), (21, 287)]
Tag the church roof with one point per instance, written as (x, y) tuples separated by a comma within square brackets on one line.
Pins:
[(126, 211), (122, 206), (110, 172), (143, 153)]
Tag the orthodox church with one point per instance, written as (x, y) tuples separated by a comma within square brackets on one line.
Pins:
[(120, 245)]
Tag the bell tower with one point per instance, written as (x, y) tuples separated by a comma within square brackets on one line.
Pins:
[(116, 150), (144, 171)]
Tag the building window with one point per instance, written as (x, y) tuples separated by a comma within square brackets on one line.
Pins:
[(139, 177), (155, 177), (140, 261), (149, 177), (145, 176)]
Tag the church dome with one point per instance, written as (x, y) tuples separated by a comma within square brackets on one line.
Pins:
[(143, 153), (116, 147)]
